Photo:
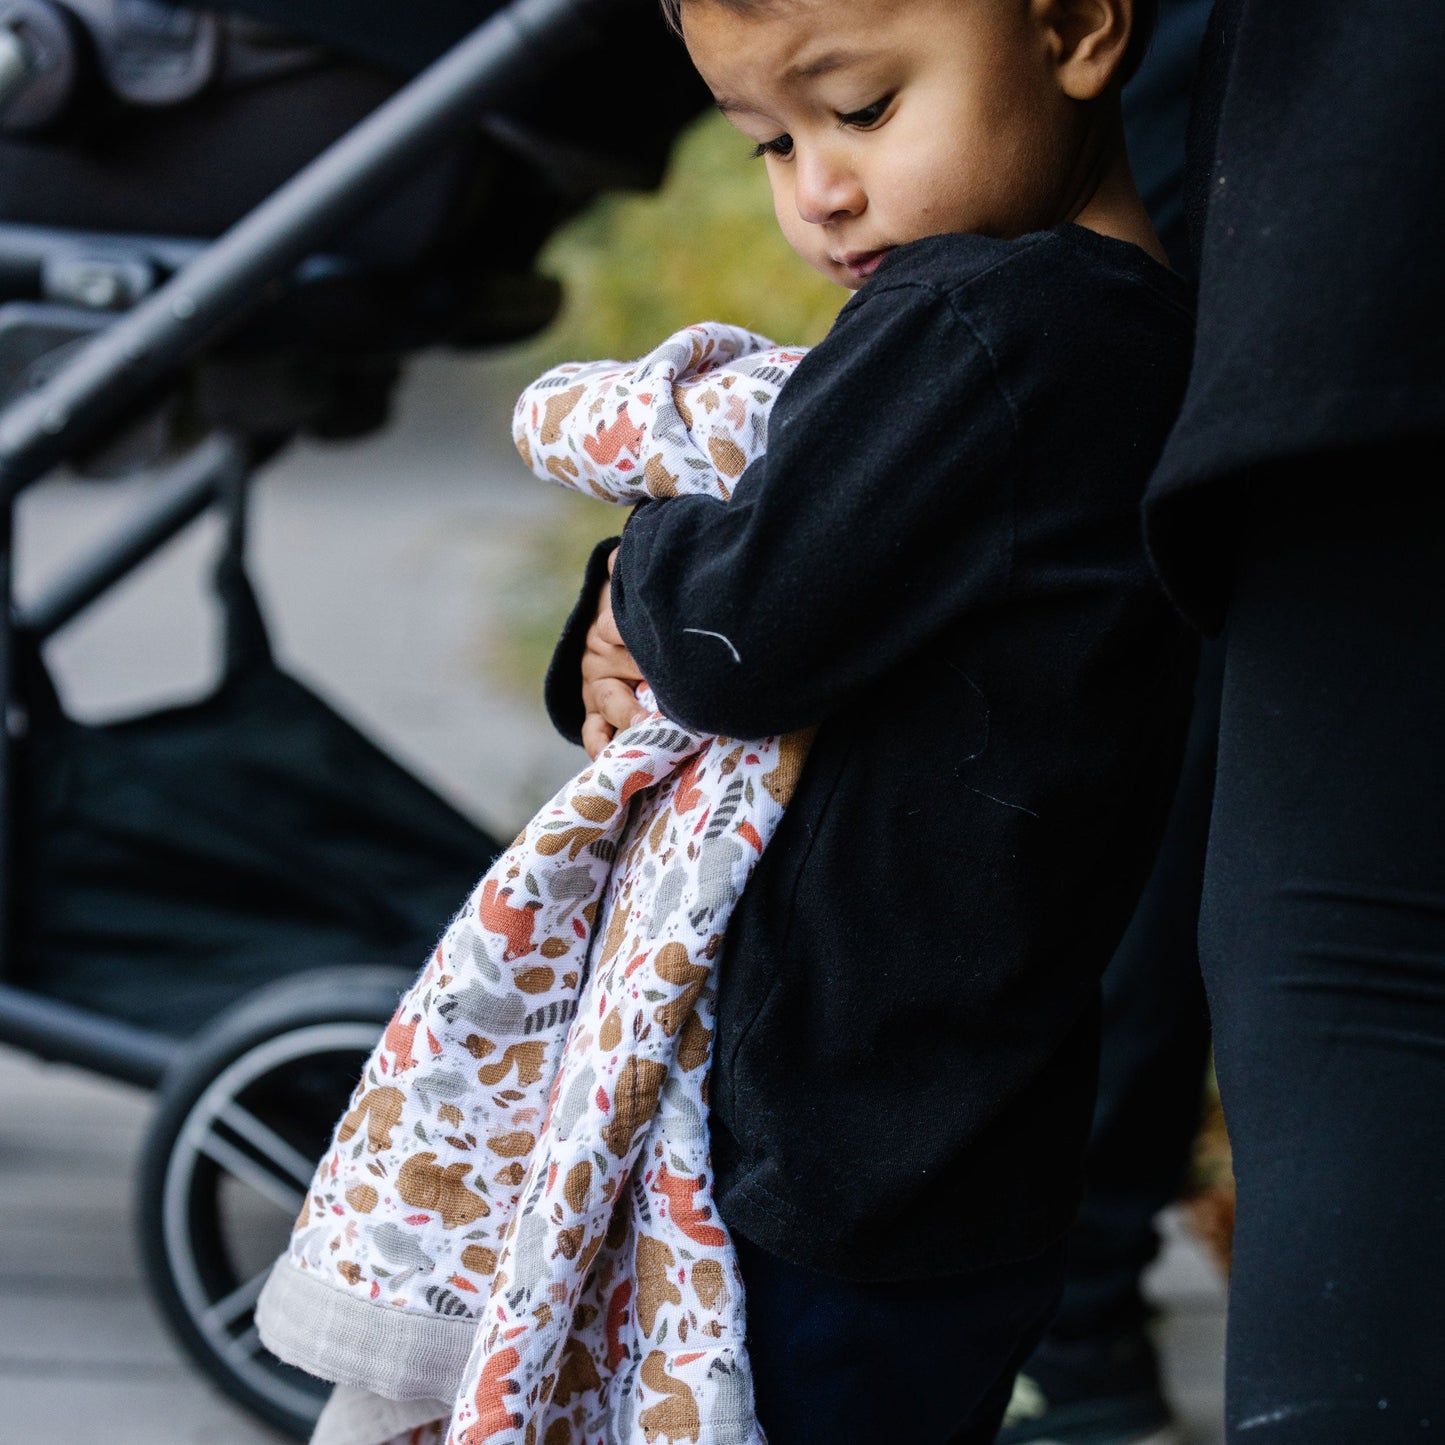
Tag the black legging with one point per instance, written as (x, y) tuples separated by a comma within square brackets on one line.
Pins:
[(1323, 944)]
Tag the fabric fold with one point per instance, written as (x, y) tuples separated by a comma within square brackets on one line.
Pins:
[(353, 1414), (397, 1354)]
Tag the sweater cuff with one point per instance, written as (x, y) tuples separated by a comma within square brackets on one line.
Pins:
[(562, 688)]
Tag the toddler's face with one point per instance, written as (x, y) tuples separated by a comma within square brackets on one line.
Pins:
[(884, 121)]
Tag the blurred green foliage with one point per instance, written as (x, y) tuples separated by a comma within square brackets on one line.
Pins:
[(705, 247)]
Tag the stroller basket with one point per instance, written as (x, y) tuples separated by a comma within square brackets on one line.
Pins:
[(174, 862)]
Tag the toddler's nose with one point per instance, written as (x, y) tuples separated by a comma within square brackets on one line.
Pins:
[(826, 189)]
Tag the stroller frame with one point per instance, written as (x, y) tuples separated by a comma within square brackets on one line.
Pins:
[(122, 365), (197, 304)]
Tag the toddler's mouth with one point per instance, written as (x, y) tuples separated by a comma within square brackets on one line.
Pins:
[(862, 264)]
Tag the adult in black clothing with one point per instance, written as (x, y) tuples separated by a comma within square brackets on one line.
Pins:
[(1295, 512)]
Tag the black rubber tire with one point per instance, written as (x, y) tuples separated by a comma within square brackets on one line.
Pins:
[(244, 1115)]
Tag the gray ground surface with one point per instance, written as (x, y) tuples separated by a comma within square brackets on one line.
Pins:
[(382, 567)]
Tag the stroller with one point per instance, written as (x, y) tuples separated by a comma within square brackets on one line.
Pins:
[(222, 900)]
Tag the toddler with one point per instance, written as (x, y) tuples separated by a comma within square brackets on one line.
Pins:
[(938, 564)]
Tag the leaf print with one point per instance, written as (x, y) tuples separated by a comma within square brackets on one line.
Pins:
[(594, 807), (511, 1146), (727, 456), (573, 839), (610, 1034)]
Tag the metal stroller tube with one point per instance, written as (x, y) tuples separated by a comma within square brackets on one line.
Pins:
[(14, 63), (38, 430)]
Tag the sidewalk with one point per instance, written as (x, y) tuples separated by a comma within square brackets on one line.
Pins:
[(81, 1342), (379, 566)]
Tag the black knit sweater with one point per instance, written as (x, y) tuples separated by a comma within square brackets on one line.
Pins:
[(939, 560)]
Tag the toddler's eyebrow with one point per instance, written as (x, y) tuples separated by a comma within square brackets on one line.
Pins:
[(824, 64)]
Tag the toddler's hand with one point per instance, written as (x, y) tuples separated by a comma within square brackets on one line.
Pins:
[(609, 677)]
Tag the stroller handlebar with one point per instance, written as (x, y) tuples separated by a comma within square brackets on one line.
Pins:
[(213, 290)]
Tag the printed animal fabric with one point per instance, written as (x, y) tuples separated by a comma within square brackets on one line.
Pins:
[(513, 1230)]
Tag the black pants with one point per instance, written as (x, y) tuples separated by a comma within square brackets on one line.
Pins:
[(1154, 1049), (1323, 944), (928, 1362)]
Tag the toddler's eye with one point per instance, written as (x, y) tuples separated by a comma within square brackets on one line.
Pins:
[(779, 146), (869, 115)]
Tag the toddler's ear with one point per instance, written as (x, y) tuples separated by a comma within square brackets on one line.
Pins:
[(1087, 40)]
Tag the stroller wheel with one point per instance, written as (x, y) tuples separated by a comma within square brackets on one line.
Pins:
[(244, 1115)]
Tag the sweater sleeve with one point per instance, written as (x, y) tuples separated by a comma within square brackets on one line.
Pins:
[(880, 511)]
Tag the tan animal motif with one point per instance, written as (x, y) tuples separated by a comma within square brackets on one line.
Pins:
[(577, 1373), (676, 1417), (577, 1186), (674, 965), (655, 1286), (423, 1184), (634, 1102), (362, 1198), (707, 1280), (526, 1058), (792, 754), (558, 407), (660, 481), (693, 1046), (380, 1110)]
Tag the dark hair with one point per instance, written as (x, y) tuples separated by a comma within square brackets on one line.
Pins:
[(1146, 15)]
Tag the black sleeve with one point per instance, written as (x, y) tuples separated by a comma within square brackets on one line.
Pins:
[(562, 688), (880, 512)]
